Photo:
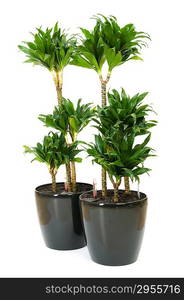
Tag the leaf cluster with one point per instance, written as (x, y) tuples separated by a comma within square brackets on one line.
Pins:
[(54, 151), (108, 42), (124, 113), (121, 157), (69, 119), (52, 48), (90, 53), (120, 123)]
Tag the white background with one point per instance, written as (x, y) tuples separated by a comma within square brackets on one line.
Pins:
[(27, 91)]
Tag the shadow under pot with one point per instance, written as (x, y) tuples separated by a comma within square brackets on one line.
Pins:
[(114, 231), (60, 217)]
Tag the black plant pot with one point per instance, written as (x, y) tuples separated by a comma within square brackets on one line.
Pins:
[(114, 231), (59, 216)]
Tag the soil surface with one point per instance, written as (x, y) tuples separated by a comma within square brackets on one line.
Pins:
[(47, 188), (123, 197)]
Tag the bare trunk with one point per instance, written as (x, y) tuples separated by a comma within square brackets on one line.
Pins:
[(68, 177), (116, 186), (53, 176), (127, 185), (104, 182), (74, 186), (104, 88), (58, 80), (104, 92), (108, 77), (104, 103), (59, 94)]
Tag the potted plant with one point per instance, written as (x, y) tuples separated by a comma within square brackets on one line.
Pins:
[(58, 210), (108, 43), (114, 224), (53, 50)]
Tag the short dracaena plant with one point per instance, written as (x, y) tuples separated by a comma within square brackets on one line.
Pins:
[(54, 152), (52, 49), (120, 156), (109, 43), (70, 120), (125, 114)]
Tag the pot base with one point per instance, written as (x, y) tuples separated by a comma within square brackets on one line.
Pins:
[(113, 264), (114, 231), (60, 218)]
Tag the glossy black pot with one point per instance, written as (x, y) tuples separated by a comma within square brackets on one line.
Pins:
[(59, 216), (114, 231)]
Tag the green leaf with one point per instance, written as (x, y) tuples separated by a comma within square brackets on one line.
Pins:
[(56, 27), (113, 59), (73, 123), (92, 60), (140, 171), (86, 32), (78, 159), (24, 49), (135, 58), (27, 149), (81, 62)]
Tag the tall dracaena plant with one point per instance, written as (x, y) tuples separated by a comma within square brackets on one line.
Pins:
[(124, 113), (52, 49), (54, 152), (70, 120), (108, 43)]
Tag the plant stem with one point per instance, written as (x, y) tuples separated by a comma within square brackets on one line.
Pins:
[(104, 182), (104, 103), (104, 92), (127, 185), (73, 168), (108, 77), (68, 171), (58, 80), (74, 186), (68, 177), (53, 173), (116, 188)]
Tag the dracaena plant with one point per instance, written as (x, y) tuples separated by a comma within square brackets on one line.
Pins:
[(109, 43), (70, 120), (54, 152), (125, 114), (52, 49), (120, 156)]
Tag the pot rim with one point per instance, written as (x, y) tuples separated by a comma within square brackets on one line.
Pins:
[(92, 201), (63, 194)]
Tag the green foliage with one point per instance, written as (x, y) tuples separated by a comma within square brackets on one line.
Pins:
[(57, 120), (52, 48), (120, 124), (54, 151), (108, 42), (122, 43), (91, 50), (124, 113), (120, 156), (69, 119)]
